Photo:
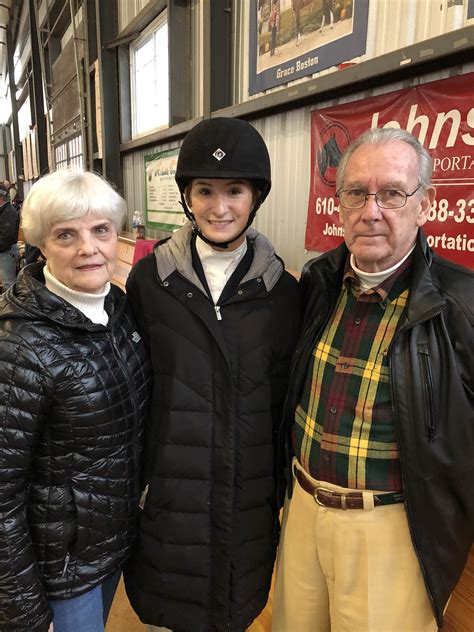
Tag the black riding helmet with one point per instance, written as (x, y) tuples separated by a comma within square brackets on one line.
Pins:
[(224, 148)]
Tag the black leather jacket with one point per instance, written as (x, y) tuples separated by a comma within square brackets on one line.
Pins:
[(73, 395), (431, 373)]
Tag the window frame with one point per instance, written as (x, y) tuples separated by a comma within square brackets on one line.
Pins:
[(148, 34), (68, 153)]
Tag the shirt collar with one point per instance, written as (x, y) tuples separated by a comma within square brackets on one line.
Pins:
[(384, 289)]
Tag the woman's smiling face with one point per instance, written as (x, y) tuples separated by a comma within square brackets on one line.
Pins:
[(81, 252), (221, 208)]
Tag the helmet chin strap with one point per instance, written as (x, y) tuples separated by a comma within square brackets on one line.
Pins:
[(218, 244)]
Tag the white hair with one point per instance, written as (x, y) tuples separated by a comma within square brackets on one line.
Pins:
[(65, 195), (379, 136)]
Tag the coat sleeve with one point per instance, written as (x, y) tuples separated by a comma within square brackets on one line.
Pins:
[(285, 341), (134, 296), (23, 602), (135, 301)]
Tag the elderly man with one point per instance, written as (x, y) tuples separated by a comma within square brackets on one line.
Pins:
[(9, 224), (380, 515)]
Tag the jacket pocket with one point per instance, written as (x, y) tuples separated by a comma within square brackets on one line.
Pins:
[(69, 528), (428, 391)]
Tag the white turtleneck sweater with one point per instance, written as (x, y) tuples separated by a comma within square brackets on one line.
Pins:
[(91, 305), (368, 280), (218, 265)]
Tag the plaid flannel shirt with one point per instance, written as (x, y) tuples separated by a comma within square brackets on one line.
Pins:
[(344, 431)]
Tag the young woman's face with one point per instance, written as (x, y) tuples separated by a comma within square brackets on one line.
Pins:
[(221, 208), (81, 252)]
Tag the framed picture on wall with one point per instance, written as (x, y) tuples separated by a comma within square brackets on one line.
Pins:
[(290, 39)]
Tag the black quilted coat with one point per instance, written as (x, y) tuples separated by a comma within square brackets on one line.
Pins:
[(209, 526), (72, 397)]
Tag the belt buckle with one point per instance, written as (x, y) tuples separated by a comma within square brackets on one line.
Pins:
[(332, 492)]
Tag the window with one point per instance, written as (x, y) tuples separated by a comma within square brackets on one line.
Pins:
[(149, 78), (68, 155)]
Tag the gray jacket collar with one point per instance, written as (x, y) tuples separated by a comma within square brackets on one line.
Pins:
[(175, 255)]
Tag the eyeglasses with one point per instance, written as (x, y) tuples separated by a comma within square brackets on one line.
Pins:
[(385, 198)]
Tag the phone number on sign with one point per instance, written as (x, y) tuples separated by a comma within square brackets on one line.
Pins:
[(326, 206), (440, 211)]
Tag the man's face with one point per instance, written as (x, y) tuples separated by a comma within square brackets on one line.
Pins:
[(380, 238)]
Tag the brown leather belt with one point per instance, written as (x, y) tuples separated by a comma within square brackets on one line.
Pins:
[(338, 500)]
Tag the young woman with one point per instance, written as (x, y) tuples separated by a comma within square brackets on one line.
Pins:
[(73, 394), (220, 316)]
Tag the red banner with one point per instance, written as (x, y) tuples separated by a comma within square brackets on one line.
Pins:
[(441, 115)]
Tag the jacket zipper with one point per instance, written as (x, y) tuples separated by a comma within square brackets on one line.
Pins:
[(428, 391), (125, 370), (66, 562), (426, 317), (132, 392)]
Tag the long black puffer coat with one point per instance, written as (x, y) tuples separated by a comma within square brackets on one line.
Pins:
[(72, 398), (210, 522)]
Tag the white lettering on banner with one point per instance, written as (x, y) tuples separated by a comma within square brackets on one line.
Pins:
[(285, 72), (307, 63), (460, 242), (440, 212), (300, 65), (325, 206), (452, 119), (467, 138), (333, 229), (454, 163)]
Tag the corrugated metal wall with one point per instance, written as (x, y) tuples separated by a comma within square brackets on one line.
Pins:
[(128, 9)]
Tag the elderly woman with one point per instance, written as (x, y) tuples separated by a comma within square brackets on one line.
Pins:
[(73, 392)]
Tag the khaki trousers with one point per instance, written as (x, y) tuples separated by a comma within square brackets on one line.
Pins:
[(347, 571)]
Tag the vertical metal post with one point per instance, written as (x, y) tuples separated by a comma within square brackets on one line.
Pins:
[(87, 85), (206, 58), (179, 46), (5, 153), (38, 97), (221, 54), (106, 19), (16, 136), (80, 82)]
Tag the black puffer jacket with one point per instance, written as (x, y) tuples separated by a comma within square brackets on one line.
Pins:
[(9, 223), (72, 398), (208, 530), (432, 382)]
